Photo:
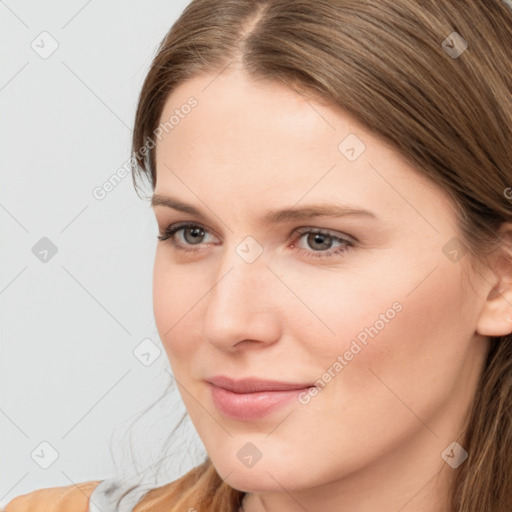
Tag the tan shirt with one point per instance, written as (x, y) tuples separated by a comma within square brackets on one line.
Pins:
[(91, 496)]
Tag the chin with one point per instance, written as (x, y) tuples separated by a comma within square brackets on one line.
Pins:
[(264, 476), (255, 481)]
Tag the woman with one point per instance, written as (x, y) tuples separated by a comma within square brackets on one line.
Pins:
[(333, 277)]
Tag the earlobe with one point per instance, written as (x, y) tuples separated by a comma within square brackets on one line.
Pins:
[(491, 323), (496, 316)]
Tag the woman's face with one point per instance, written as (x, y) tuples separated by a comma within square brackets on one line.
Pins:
[(375, 310)]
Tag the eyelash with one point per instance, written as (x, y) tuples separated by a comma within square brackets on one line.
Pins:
[(174, 228)]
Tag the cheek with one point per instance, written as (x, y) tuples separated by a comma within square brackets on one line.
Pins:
[(174, 298), (404, 323), (418, 355)]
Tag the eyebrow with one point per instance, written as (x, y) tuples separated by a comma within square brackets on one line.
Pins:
[(276, 215)]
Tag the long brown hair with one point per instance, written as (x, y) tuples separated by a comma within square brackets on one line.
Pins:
[(386, 63)]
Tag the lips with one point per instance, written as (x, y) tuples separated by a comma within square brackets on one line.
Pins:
[(252, 385), (250, 398)]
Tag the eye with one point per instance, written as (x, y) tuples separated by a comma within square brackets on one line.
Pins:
[(193, 234), (318, 240)]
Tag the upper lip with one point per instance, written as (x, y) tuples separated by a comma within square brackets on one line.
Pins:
[(252, 384)]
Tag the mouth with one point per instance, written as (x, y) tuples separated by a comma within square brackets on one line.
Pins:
[(251, 398)]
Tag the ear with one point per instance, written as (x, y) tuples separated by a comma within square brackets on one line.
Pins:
[(496, 316)]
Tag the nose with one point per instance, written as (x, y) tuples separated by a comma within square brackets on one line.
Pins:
[(242, 308)]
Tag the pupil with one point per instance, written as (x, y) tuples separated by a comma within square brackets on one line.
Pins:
[(196, 232), (319, 238)]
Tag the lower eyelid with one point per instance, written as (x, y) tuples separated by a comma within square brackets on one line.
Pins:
[(338, 250)]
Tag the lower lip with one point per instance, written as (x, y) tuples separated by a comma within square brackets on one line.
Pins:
[(251, 406)]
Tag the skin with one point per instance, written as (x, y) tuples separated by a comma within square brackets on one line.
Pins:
[(372, 438)]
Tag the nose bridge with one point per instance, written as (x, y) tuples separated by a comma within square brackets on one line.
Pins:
[(239, 302), (243, 268), (238, 280)]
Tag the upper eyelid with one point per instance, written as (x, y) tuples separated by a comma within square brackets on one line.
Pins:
[(176, 226), (298, 231), (332, 232)]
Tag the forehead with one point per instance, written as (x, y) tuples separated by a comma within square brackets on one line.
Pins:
[(235, 113), (251, 139)]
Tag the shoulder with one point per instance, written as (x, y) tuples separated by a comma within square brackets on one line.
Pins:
[(70, 498)]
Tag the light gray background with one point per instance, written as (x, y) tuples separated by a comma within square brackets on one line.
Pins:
[(70, 325)]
